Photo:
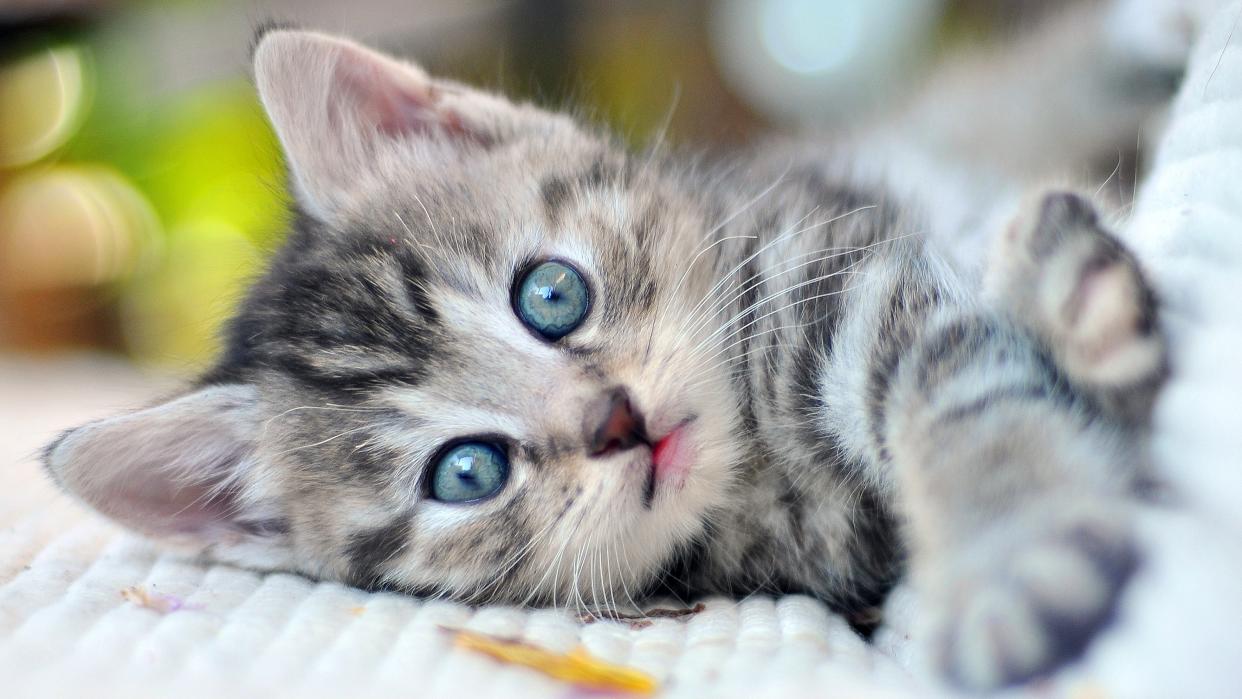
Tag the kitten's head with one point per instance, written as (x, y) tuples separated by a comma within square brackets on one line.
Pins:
[(473, 369)]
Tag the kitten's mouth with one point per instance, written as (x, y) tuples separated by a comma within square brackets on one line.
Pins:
[(671, 458)]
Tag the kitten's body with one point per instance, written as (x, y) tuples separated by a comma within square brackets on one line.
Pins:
[(853, 402)]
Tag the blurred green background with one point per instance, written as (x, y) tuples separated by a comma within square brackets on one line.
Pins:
[(141, 186)]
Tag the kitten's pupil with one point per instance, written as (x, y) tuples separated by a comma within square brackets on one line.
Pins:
[(466, 474)]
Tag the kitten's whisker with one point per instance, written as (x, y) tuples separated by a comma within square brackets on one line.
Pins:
[(576, 570), (724, 278), (728, 324), (587, 562), (712, 232), (756, 281), (554, 569), (624, 585), (755, 200), (788, 234), (1111, 175), (517, 558), (765, 332)]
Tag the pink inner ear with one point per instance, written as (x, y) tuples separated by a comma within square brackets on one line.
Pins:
[(399, 103), (157, 506)]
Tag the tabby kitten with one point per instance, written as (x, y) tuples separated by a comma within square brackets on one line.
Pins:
[(502, 359)]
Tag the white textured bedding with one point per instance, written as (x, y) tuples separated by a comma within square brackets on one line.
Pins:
[(65, 629)]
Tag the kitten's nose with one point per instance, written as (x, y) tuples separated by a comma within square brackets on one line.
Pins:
[(612, 423)]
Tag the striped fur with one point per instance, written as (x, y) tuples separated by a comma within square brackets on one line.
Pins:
[(861, 407)]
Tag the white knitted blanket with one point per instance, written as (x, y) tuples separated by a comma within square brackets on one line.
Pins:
[(66, 630)]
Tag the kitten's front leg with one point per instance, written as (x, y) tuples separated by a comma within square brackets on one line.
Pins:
[(1017, 437), (1018, 500)]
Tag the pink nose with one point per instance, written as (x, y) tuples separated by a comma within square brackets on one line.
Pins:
[(612, 424)]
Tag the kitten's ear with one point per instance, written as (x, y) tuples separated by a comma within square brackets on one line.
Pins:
[(336, 106), (180, 471)]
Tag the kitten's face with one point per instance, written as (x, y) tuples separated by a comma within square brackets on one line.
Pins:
[(474, 369), (437, 321)]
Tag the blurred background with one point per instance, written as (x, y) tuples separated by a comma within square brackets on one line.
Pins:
[(141, 187)]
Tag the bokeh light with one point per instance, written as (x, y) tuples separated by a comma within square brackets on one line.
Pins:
[(810, 36), (73, 226), (44, 96), (821, 62)]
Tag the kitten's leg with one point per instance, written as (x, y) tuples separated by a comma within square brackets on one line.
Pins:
[(1016, 505), (1017, 499), (1060, 273)]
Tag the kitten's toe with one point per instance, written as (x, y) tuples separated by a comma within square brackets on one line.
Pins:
[(1038, 610), (1062, 274)]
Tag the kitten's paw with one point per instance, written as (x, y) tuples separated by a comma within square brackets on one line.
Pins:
[(1026, 610), (1075, 284)]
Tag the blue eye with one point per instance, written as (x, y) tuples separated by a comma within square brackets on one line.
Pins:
[(552, 299), (469, 471)]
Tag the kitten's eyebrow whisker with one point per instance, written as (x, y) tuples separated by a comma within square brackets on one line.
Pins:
[(694, 260), (427, 213), (662, 131), (414, 238), (692, 325), (791, 234), (322, 441), (328, 406)]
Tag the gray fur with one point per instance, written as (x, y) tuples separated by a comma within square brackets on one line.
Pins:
[(862, 409)]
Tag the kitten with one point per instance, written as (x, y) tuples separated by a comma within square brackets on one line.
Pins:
[(500, 358)]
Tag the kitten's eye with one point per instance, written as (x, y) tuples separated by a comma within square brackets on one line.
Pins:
[(469, 471), (552, 299)]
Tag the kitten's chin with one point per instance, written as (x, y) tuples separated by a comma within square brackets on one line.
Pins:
[(691, 475)]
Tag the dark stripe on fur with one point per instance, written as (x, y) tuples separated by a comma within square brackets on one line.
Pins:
[(1024, 392), (369, 551), (900, 325)]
